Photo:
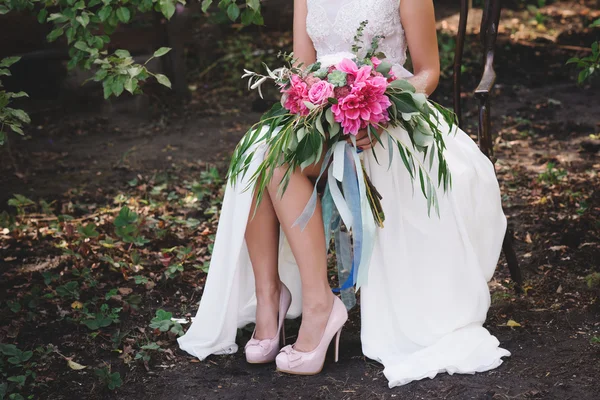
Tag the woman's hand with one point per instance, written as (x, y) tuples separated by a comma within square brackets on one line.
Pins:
[(363, 141)]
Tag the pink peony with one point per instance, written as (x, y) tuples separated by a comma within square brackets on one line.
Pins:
[(296, 95), (320, 92), (376, 62), (365, 104)]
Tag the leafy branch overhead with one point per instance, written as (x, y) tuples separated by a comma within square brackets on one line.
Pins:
[(87, 26), (10, 117)]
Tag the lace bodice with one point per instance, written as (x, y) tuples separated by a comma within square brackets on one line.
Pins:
[(332, 25)]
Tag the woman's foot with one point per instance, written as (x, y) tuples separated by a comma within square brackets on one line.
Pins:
[(261, 350), (315, 314), (291, 360)]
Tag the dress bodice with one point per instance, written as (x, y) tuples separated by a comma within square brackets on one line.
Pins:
[(332, 25)]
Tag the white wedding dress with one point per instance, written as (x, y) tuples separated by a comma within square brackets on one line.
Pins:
[(426, 295)]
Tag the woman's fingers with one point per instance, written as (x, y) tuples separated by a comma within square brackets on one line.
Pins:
[(363, 140)]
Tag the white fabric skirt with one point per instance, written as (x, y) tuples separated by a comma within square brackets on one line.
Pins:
[(426, 297)]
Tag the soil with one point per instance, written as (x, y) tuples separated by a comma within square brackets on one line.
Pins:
[(540, 116)]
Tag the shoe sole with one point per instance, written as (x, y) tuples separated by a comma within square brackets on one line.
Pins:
[(300, 373)]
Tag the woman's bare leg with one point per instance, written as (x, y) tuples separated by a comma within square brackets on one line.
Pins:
[(308, 247), (262, 239)]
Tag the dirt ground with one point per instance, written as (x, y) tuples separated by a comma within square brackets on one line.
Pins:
[(548, 169)]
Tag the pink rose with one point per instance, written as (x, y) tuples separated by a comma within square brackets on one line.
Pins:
[(320, 92)]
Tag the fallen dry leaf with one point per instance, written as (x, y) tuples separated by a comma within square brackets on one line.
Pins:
[(76, 305), (73, 365)]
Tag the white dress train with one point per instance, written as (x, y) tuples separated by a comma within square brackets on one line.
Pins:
[(426, 297)]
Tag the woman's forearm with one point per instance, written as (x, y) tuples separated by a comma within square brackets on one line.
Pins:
[(425, 81)]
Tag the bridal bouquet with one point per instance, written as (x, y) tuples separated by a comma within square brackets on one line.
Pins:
[(323, 107)]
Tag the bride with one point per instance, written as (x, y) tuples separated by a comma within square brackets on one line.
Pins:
[(426, 296)]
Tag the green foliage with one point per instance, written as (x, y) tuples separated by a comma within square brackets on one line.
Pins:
[(105, 317), (248, 13), (162, 321), (593, 280), (15, 367), (69, 290), (127, 227), (535, 11), (87, 26), (588, 65), (10, 117), (110, 380), (552, 175), (118, 72), (20, 202)]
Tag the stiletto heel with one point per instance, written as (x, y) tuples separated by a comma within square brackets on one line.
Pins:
[(337, 344), (265, 351), (283, 335), (292, 361)]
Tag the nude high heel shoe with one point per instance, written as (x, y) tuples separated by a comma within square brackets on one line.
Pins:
[(292, 361), (265, 351)]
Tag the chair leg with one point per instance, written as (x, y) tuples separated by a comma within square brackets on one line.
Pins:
[(512, 261)]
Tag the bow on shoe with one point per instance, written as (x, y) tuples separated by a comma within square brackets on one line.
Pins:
[(264, 344), (294, 358)]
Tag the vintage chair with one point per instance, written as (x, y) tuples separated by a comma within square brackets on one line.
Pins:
[(488, 35)]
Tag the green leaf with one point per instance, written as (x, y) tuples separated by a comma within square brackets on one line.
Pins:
[(42, 15), (17, 129), (19, 94), (123, 14), (253, 4), (104, 13), (247, 16), (258, 19), (131, 84), (118, 86), (122, 53), (55, 34), (88, 231), (8, 61), (81, 45), (163, 80), (167, 8), (21, 115), (100, 75), (125, 217), (107, 87), (19, 380), (8, 349), (57, 18), (83, 19), (233, 11), (206, 4), (162, 51), (3, 10), (403, 85), (162, 321)]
